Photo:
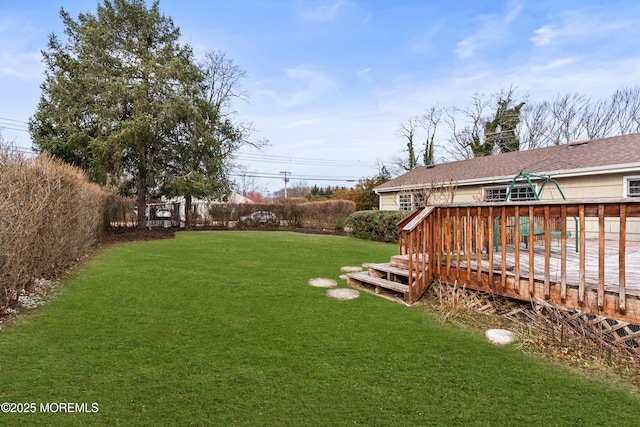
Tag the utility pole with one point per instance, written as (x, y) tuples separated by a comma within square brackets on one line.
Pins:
[(285, 173)]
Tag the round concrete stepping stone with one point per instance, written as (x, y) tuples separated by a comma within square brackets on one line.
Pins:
[(343, 293), (320, 282), (350, 269), (500, 336), (343, 277)]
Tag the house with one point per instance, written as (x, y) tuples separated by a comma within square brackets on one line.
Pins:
[(200, 208), (607, 168)]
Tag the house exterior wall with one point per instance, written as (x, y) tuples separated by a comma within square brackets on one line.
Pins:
[(596, 186)]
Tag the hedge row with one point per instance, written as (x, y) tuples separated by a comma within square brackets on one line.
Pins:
[(49, 216), (380, 226), (323, 215)]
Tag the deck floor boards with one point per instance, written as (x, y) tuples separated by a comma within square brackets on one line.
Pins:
[(611, 277)]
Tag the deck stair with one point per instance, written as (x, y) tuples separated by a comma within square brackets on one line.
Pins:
[(391, 277)]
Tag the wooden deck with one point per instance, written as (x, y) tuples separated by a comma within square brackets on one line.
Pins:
[(480, 246)]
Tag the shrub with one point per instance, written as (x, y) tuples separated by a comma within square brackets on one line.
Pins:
[(380, 226), (326, 215), (49, 216)]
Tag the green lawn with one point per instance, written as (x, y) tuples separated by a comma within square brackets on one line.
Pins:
[(221, 328)]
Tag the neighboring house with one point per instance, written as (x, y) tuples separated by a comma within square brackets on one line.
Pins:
[(201, 207), (586, 169)]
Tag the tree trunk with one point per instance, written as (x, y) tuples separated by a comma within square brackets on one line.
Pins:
[(142, 199), (187, 212)]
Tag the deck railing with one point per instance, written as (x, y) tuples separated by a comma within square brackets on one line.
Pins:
[(565, 258)]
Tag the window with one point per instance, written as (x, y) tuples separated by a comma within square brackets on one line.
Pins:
[(632, 186), (495, 194), (404, 202), (519, 193), (410, 201)]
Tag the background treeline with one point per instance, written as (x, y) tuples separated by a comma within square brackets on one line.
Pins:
[(50, 215), (507, 121)]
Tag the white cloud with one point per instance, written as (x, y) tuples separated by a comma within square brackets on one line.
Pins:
[(576, 25), (554, 64), (323, 13), (314, 84), (493, 28)]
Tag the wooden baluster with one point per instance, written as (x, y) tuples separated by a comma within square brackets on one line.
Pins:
[(531, 239), (468, 242), (601, 257), (503, 253), (563, 253), (458, 234), (479, 245), (581, 279), (622, 251), (547, 253), (490, 224), (516, 242)]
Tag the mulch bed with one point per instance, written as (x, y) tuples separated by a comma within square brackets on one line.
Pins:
[(123, 235)]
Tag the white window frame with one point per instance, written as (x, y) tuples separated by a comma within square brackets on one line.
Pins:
[(486, 190), (410, 201), (405, 201), (627, 186)]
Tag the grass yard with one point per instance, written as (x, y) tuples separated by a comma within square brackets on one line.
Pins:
[(221, 328)]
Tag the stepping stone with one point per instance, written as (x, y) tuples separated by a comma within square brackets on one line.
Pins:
[(320, 282), (343, 277), (500, 336), (350, 269), (343, 293)]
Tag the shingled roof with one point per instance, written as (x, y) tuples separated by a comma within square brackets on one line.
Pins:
[(618, 153)]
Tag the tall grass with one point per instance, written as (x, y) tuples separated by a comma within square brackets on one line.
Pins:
[(221, 328)]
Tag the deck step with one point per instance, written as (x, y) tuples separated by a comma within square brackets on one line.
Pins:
[(364, 277), (388, 268), (402, 261)]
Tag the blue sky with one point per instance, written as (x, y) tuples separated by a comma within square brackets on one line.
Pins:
[(330, 81)]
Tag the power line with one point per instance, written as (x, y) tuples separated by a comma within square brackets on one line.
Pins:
[(267, 158), (290, 176), (13, 120)]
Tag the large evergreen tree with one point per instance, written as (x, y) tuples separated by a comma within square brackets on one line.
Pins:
[(115, 93)]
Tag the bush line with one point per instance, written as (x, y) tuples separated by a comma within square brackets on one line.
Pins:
[(50, 215)]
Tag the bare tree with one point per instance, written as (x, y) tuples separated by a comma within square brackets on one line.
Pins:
[(566, 116), (429, 122), (535, 126), (597, 118), (469, 141), (626, 109), (408, 132)]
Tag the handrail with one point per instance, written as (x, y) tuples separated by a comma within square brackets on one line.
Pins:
[(415, 235)]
